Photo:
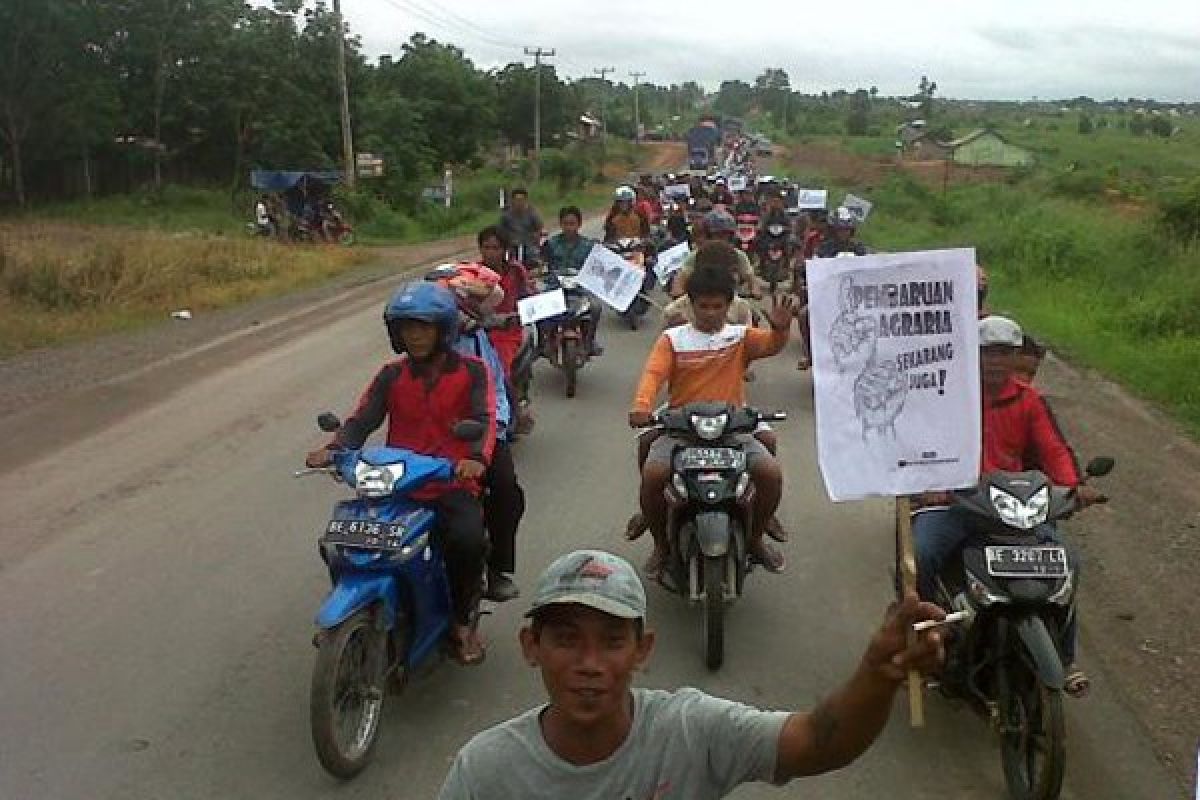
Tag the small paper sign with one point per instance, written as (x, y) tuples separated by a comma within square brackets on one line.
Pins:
[(611, 278), (538, 307), (808, 199), (737, 183), (678, 191), (670, 260), (858, 206)]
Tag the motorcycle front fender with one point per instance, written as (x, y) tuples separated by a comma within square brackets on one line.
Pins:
[(1042, 649), (713, 532), (356, 591)]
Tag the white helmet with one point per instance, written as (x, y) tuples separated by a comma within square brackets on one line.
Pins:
[(625, 194), (843, 217)]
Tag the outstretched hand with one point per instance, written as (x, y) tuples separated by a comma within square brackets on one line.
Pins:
[(890, 653), (782, 310), (469, 469)]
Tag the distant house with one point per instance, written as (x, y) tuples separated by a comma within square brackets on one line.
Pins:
[(589, 127), (986, 148)]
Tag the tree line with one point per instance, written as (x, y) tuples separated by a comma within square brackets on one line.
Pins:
[(101, 96)]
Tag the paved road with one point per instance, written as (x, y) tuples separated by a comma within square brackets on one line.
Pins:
[(156, 626)]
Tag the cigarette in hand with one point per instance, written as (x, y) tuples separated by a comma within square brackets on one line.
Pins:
[(950, 619)]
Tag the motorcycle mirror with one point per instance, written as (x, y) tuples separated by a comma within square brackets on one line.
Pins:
[(328, 422), (469, 430), (1100, 466)]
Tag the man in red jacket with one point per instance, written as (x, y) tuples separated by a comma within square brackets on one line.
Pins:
[(1019, 433), (423, 395)]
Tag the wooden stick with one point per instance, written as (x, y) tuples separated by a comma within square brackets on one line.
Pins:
[(907, 564)]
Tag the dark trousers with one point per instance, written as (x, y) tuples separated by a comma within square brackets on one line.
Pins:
[(464, 546), (503, 507)]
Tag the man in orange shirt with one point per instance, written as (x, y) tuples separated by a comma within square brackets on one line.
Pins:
[(704, 362)]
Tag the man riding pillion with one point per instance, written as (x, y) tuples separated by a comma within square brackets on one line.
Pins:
[(522, 227), (422, 395), (566, 252), (843, 223), (478, 291), (718, 226), (598, 738), (624, 221), (705, 362), (1019, 433)]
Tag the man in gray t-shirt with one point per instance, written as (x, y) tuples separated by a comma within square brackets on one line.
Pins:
[(524, 228), (600, 739)]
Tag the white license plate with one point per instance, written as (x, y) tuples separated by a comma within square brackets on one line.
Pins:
[(1026, 562), (711, 458), (365, 533)]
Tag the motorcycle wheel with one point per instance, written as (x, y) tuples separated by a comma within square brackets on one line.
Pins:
[(714, 611), (346, 238), (570, 364), (346, 697), (1033, 735)]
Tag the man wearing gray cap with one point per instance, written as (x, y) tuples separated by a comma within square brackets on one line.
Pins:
[(600, 739)]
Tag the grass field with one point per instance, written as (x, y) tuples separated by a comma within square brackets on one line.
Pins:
[(1096, 249)]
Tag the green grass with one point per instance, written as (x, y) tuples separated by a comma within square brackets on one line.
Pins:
[(176, 209), (1115, 293)]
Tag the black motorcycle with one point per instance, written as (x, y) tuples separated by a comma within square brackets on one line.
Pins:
[(775, 255), (710, 504), (567, 339), (1018, 592)]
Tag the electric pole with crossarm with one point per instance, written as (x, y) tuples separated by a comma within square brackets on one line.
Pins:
[(538, 54)]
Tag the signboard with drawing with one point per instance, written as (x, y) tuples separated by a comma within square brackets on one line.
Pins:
[(543, 305), (809, 199), (858, 206), (896, 372), (670, 260), (611, 278)]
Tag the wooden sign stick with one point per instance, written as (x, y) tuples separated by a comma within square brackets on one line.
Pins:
[(906, 563)]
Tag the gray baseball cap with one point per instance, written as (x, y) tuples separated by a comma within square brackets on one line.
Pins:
[(997, 330), (595, 579)]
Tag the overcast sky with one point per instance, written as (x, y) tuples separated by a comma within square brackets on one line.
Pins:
[(983, 49)]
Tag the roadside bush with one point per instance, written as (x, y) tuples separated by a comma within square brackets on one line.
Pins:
[(1179, 211), (1082, 182)]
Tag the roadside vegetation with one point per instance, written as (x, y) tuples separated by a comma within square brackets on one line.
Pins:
[(1096, 249)]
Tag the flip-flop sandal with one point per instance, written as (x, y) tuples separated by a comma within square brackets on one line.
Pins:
[(774, 567), (460, 653), (776, 530), (804, 365), (635, 527), (1077, 683)]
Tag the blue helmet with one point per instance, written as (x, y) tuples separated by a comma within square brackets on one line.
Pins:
[(425, 302)]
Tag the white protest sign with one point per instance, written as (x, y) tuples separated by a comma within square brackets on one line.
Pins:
[(737, 183), (807, 199), (545, 305), (895, 345), (679, 191), (670, 260), (611, 278), (858, 206)]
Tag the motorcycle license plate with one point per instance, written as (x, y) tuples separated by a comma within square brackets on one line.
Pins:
[(709, 458), (1026, 562), (365, 533)]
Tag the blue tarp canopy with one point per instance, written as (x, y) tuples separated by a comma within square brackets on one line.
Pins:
[(280, 181)]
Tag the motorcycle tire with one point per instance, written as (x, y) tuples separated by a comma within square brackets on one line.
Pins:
[(1031, 712), (346, 238), (570, 364), (714, 611), (353, 651)]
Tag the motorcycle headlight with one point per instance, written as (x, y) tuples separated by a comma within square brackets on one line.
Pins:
[(376, 482), (1023, 516), (709, 428)]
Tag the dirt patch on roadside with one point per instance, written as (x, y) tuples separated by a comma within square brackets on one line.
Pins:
[(1141, 557), (833, 163)]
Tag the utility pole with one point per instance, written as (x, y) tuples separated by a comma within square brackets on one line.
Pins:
[(347, 137), (603, 72), (538, 53), (637, 118)]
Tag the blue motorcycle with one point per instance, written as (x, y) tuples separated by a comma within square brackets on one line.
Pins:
[(389, 611)]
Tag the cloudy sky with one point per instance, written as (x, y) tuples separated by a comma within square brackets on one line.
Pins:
[(984, 49)]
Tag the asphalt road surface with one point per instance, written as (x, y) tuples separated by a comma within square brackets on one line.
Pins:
[(155, 638)]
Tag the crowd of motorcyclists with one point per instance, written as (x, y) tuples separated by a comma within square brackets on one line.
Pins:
[(460, 346)]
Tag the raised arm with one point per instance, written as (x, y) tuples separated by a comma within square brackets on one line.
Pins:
[(845, 724)]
